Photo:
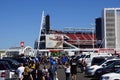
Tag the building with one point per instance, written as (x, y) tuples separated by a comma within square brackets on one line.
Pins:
[(111, 28), (2, 53), (98, 29), (69, 38), (15, 51), (44, 29)]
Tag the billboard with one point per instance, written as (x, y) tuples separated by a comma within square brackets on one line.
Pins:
[(54, 41)]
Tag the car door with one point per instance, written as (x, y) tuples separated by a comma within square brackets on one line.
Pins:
[(105, 69), (113, 67), (116, 66), (109, 68)]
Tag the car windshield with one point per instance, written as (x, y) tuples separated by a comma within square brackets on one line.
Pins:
[(13, 61), (108, 62)]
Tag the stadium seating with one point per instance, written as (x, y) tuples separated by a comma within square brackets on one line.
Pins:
[(79, 38)]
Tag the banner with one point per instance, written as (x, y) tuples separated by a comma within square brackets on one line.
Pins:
[(54, 41)]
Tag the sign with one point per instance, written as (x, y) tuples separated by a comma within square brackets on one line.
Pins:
[(54, 41), (21, 44), (103, 50)]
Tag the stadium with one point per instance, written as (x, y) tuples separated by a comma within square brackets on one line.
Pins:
[(70, 39)]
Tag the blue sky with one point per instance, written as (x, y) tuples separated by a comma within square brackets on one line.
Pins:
[(20, 19)]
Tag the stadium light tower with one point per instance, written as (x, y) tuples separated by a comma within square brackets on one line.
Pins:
[(41, 27), (93, 32)]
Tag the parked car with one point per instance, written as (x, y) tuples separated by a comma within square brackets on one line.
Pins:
[(22, 60), (90, 55), (13, 63), (5, 71), (85, 58), (113, 67), (99, 60), (111, 76), (76, 57), (90, 71)]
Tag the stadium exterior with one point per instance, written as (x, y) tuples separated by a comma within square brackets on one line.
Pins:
[(111, 28), (104, 36), (70, 38)]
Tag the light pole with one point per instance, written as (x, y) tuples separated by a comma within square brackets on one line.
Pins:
[(93, 32), (93, 38)]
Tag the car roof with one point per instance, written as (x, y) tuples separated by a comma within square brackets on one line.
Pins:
[(113, 59)]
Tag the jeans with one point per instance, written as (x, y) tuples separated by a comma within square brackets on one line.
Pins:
[(67, 76)]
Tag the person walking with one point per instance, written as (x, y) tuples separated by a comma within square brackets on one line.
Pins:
[(45, 72), (26, 75), (20, 70), (51, 59), (64, 60), (37, 74), (32, 65), (81, 66), (52, 72), (73, 69), (67, 71)]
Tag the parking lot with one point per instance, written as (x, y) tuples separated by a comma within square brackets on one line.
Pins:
[(80, 76), (108, 63)]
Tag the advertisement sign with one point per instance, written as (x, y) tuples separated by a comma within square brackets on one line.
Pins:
[(21, 44), (54, 41), (103, 50)]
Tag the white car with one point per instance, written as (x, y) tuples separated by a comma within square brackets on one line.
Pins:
[(6, 74), (111, 76), (90, 71)]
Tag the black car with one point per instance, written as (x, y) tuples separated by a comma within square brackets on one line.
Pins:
[(13, 63), (113, 67), (4, 65), (99, 60), (25, 61)]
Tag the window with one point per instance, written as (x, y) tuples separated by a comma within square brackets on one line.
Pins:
[(109, 62)]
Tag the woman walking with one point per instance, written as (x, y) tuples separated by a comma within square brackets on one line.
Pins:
[(67, 71), (26, 75)]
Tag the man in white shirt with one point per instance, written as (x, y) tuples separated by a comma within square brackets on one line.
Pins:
[(20, 70)]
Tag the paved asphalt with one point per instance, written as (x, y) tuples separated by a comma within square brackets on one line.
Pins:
[(80, 76)]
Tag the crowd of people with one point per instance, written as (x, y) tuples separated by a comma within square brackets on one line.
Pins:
[(36, 70)]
